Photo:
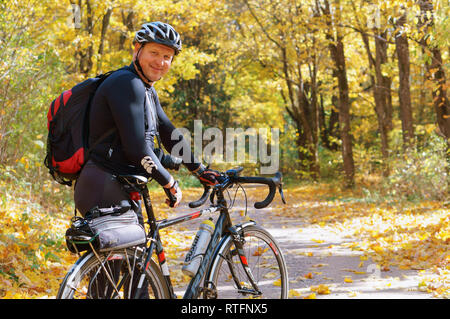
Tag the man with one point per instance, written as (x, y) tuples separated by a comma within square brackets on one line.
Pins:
[(128, 101)]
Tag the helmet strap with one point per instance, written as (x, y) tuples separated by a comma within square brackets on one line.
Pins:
[(138, 65)]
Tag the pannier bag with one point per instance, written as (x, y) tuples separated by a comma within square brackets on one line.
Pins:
[(105, 229)]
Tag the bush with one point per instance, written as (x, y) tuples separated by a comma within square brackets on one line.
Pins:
[(420, 174)]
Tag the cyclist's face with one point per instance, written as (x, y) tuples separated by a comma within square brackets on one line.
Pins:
[(155, 60)]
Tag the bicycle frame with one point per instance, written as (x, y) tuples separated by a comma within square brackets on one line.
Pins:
[(223, 227), (227, 242)]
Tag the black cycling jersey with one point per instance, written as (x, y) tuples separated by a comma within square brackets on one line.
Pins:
[(124, 101)]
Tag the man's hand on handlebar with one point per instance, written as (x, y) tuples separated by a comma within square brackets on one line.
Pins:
[(208, 177), (173, 193), (221, 181)]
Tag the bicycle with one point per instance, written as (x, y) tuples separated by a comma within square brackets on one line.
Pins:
[(241, 261)]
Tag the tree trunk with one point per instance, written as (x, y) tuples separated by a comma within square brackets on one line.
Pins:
[(83, 57), (435, 71), (86, 57), (440, 100), (381, 84), (336, 47), (127, 20), (384, 82), (344, 115), (329, 133), (401, 44), (381, 92), (105, 24), (301, 106)]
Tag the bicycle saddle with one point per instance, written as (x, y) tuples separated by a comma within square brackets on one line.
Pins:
[(132, 179)]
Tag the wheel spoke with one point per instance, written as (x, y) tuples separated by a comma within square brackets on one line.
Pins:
[(265, 263), (111, 276)]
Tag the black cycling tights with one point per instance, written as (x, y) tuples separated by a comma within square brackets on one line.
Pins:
[(97, 187)]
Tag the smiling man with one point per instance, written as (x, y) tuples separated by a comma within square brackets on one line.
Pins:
[(127, 104), (153, 59)]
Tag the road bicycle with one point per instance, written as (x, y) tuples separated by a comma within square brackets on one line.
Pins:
[(241, 261)]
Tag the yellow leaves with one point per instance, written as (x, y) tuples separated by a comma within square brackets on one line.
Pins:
[(259, 251), (186, 63), (321, 289), (308, 276), (444, 235), (437, 284), (348, 279), (413, 236), (377, 249), (294, 293), (32, 252)]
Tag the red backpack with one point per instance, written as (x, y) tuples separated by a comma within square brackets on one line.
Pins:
[(68, 130)]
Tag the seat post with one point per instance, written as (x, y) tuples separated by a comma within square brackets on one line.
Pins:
[(148, 208)]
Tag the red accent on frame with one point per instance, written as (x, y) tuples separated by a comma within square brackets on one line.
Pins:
[(161, 257), (195, 215), (244, 260), (135, 196), (273, 248)]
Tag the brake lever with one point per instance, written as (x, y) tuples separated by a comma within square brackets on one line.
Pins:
[(280, 189)]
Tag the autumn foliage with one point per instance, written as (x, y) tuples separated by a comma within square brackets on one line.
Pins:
[(357, 88)]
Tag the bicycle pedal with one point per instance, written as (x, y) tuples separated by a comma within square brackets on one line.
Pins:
[(209, 293), (249, 291)]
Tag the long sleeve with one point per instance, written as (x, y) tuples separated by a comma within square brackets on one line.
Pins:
[(172, 138), (125, 96)]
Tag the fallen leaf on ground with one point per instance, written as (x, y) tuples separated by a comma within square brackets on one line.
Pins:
[(321, 289), (308, 276), (348, 280)]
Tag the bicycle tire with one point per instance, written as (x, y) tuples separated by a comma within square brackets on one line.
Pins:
[(264, 258), (88, 279)]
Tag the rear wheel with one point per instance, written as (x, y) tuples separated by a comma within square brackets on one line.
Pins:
[(111, 275), (228, 278)]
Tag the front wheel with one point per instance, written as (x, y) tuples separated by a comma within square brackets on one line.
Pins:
[(228, 278)]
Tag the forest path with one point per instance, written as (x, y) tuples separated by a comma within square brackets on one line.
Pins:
[(322, 262)]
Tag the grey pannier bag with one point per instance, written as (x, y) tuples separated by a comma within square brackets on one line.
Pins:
[(105, 229)]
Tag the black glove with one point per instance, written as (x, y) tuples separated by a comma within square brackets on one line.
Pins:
[(174, 194), (207, 177)]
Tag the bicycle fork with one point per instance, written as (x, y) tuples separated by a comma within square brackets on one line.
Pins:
[(239, 242)]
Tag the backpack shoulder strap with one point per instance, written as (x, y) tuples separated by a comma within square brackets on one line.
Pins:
[(101, 77)]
